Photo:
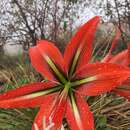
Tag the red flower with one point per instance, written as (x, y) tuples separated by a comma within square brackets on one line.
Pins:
[(69, 79), (122, 58)]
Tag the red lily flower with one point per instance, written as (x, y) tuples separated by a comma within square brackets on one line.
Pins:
[(69, 79), (122, 58)]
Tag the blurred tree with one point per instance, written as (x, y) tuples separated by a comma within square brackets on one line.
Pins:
[(118, 12), (73, 1), (26, 21)]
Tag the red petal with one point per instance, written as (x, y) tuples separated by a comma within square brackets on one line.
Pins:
[(81, 43), (25, 101), (98, 87), (126, 83), (106, 76), (121, 58), (27, 96), (123, 93), (51, 113), (81, 121), (128, 60), (100, 69), (38, 56), (115, 40), (26, 89), (114, 43)]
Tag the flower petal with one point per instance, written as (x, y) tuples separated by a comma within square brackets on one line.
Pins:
[(114, 43), (123, 93), (126, 83), (123, 90), (51, 114), (44, 111), (30, 95), (79, 49), (120, 58), (25, 101), (79, 118), (100, 78), (47, 60), (115, 40), (26, 89)]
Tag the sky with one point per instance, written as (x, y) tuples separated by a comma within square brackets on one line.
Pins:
[(85, 13)]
